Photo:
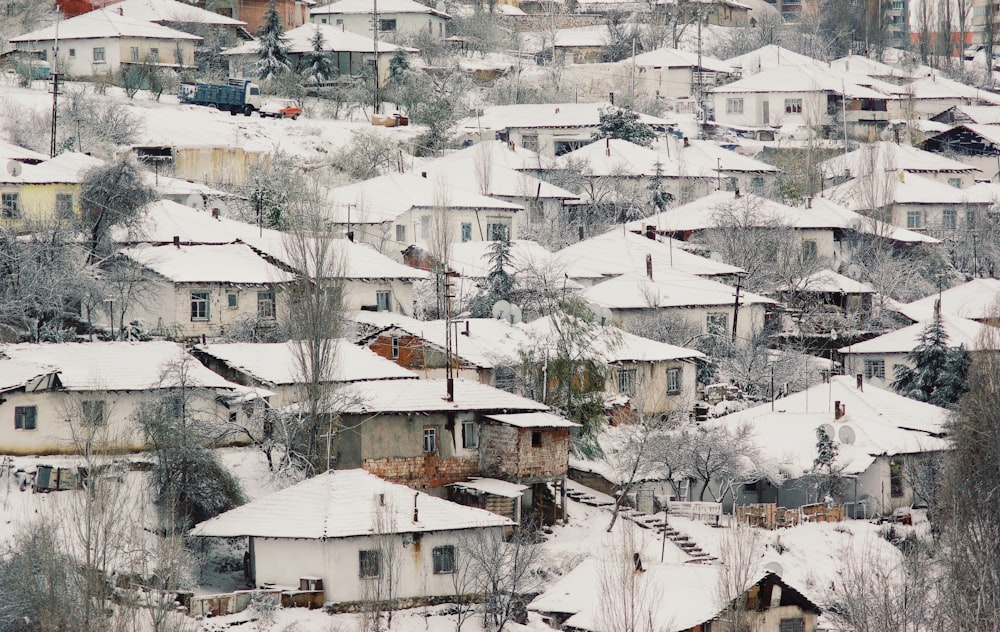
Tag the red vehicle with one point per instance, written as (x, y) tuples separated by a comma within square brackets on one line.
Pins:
[(281, 108)]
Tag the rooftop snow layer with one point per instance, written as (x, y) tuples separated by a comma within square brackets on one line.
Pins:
[(666, 289), (528, 115), (767, 57), (961, 331), (367, 6), (66, 168), (227, 263), (343, 504), (427, 396), (892, 157), (15, 374), (103, 23), (904, 188), (300, 40), (978, 299), (534, 420), (804, 78), (171, 11)]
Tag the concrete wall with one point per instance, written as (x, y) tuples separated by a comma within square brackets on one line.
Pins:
[(508, 453), (359, 293), (38, 202), (407, 24), (76, 56), (283, 561), (651, 396), (751, 317)]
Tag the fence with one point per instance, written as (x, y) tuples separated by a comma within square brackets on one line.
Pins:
[(771, 516), (704, 511)]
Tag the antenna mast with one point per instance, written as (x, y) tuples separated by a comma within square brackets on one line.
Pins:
[(55, 93)]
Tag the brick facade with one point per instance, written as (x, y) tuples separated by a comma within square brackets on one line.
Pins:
[(523, 454), (423, 472), (410, 350)]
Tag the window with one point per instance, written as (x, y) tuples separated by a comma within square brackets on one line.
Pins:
[(470, 438), (369, 564), (25, 417), (444, 559), (401, 233), (792, 625), (99, 55), (809, 250), (970, 219), (72, 53), (505, 378), (530, 141), (949, 219), (232, 300), (914, 219), (199, 305), (536, 438), (394, 346), (135, 54), (496, 231), (717, 324), (731, 184), (875, 368), (11, 203), (734, 106), (896, 477), (673, 381), (626, 381), (430, 27), (793, 106), (425, 226), (266, 307), (387, 25), (154, 55), (466, 232), (93, 412), (955, 182), (340, 22), (179, 55), (430, 439), (757, 183), (64, 206), (383, 301)]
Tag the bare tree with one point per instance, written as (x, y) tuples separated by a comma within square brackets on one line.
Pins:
[(723, 456), (504, 571), (381, 582), (627, 600), (740, 552)]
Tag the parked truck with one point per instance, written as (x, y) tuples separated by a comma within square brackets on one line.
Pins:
[(236, 95)]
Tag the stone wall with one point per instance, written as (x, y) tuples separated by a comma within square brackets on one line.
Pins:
[(423, 472), (509, 452)]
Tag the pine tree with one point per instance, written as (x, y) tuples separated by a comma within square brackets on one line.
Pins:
[(499, 281), (272, 46), (660, 197), (938, 375), (624, 124), (318, 62)]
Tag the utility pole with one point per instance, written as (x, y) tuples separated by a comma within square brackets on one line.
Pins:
[(376, 97), (55, 93), (736, 304)]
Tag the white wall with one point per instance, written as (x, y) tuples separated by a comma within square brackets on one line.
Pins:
[(751, 317), (76, 57), (407, 24), (813, 112)]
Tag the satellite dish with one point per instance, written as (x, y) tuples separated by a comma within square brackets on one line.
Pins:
[(515, 314), (14, 168), (830, 432), (775, 568), (501, 310), (194, 201), (220, 205), (601, 314), (847, 435)]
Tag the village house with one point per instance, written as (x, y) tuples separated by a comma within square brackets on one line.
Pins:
[(351, 53), (398, 20), (43, 193), (972, 143), (885, 160), (975, 300), (277, 366), (100, 42), (346, 533), (216, 30), (293, 13), (929, 96), (675, 73), (882, 440), (767, 58), (826, 301), (878, 359), (52, 396), (582, 598), (966, 114)]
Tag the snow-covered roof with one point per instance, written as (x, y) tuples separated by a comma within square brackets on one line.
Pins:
[(533, 420), (872, 68), (667, 289), (673, 58), (103, 23), (869, 403), (10, 151), (226, 263), (279, 363), (590, 36), (868, 225), (767, 57), (541, 115), (938, 87), (385, 198), (491, 486), (343, 7), (961, 331), (804, 78), (979, 114), (529, 262), (491, 168), (977, 299), (165, 219), (169, 185), (704, 158), (886, 156), (334, 40), (830, 281), (171, 11), (620, 158), (66, 168), (16, 374), (904, 188), (428, 396), (121, 366), (615, 345), (344, 504), (619, 251)]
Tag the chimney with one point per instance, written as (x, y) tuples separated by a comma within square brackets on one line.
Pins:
[(557, 110), (650, 232), (215, 213), (381, 500), (838, 412), (809, 201), (423, 174), (611, 97), (416, 512), (581, 233), (861, 382), (737, 192), (687, 143), (607, 146), (637, 562), (177, 241), (466, 328), (649, 266), (350, 235)]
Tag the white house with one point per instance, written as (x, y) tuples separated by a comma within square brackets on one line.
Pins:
[(888, 159), (878, 358), (768, 57), (99, 42), (671, 72), (356, 532), (976, 300), (50, 392), (396, 18), (219, 30)]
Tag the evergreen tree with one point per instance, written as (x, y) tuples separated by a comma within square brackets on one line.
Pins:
[(938, 375), (272, 46), (499, 284), (623, 123), (660, 197), (318, 63)]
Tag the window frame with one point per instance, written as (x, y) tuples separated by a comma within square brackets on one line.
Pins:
[(734, 105), (627, 376), (394, 347), (674, 375), (874, 368), (896, 487), (949, 219), (134, 52), (383, 301), (470, 435), (64, 206), (793, 106), (232, 300), (914, 220), (430, 440), (536, 438), (10, 204), (25, 421), (369, 564), (401, 233), (100, 55), (717, 323), (466, 231), (94, 412), (267, 305), (201, 297), (810, 250), (443, 559), (492, 228), (387, 25)]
